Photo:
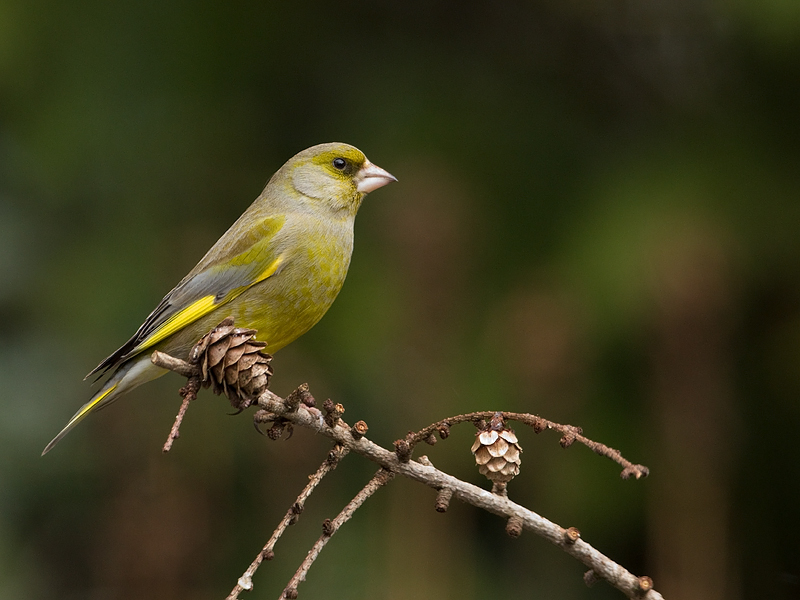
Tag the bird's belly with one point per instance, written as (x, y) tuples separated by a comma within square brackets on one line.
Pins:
[(282, 315)]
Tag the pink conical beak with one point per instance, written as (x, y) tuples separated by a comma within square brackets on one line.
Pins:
[(371, 177)]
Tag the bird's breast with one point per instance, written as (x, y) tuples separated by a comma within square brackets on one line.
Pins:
[(286, 305)]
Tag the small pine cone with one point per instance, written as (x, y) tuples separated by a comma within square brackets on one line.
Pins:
[(497, 452), (232, 363)]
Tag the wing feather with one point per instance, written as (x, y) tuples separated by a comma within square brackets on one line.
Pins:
[(228, 269)]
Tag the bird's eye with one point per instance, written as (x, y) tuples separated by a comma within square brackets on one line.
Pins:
[(339, 163)]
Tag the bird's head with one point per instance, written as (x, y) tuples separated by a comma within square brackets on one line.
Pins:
[(337, 174)]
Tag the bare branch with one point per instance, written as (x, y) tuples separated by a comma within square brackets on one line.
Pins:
[(381, 478), (569, 433), (290, 518), (165, 361), (603, 566), (400, 462), (187, 392)]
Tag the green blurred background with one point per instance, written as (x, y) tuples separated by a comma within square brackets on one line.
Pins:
[(596, 221)]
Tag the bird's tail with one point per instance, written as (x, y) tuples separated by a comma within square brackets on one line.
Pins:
[(131, 374)]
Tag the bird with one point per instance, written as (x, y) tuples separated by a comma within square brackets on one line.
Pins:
[(277, 269)]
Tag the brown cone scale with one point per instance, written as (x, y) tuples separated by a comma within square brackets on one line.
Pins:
[(233, 363), (497, 451)]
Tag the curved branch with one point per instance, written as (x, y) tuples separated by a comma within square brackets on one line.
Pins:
[(569, 433), (602, 566), (400, 462)]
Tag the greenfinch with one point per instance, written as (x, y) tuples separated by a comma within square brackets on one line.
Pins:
[(277, 269)]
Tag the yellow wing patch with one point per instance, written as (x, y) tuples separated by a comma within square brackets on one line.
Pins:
[(270, 270), (200, 308), (178, 321)]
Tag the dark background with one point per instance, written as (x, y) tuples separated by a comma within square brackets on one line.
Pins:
[(596, 221)]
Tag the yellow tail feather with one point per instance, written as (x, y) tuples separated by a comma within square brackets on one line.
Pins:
[(131, 374), (78, 417)]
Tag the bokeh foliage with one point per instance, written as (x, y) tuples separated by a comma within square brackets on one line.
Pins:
[(596, 220)]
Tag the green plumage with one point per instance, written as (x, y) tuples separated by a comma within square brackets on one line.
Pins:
[(277, 269)]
